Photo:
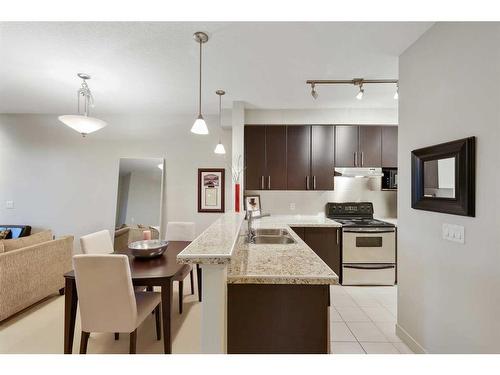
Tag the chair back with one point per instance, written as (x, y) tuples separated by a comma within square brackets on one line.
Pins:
[(105, 293), (97, 243), (180, 231)]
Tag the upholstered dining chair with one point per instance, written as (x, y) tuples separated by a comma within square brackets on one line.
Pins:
[(107, 300), (97, 243), (100, 243), (184, 231)]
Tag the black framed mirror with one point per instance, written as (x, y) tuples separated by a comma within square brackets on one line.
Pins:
[(443, 177)]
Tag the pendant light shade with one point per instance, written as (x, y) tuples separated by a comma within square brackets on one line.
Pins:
[(83, 123), (200, 126), (219, 149)]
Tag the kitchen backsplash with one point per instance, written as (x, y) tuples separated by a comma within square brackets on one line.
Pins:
[(347, 189)]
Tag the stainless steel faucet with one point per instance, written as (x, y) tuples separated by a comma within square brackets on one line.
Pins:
[(250, 230)]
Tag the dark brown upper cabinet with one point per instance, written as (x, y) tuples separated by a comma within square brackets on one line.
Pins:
[(276, 157), (389, 146), (322, 157), (298, 157), (255, 157), (358, 146), (265, 157), (370, 146), (346, 146), (310, 157)]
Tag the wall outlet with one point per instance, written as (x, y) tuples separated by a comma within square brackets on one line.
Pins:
[(455, 233), (9, 204), (292, 206)]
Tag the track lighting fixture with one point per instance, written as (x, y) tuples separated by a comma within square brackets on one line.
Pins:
[(314, 94), (355, 81)]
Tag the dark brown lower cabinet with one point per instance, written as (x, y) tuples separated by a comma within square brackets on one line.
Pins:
[(325, 242), (277, 319)]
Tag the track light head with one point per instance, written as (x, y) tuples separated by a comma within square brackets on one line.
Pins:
[(314, 93), (360, 93)]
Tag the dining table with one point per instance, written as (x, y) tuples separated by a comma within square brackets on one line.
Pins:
[(154, 272)]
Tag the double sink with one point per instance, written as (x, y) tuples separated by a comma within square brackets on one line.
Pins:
[(278, 236)]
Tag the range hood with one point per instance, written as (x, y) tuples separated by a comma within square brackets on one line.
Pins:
[(358, 172)]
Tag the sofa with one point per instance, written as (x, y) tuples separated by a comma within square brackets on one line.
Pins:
[(32, 268), (128, 234)]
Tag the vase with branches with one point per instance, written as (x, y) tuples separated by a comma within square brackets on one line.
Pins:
[(237, 170)]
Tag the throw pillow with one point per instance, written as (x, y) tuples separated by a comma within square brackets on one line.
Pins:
[(18, 243), (4, 234)]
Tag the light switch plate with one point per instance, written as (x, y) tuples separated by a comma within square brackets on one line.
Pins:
[(455, 233), (9, 204)]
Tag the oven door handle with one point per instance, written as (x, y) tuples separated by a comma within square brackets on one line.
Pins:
[(368, 230), (370, 266)]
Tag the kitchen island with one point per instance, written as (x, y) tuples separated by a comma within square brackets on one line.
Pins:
[(262, 298)]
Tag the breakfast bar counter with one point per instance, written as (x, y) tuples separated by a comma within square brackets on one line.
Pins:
[(262, 297)]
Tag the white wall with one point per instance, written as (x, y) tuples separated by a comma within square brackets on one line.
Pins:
[(67, 183), (357, 116), (449, 293)]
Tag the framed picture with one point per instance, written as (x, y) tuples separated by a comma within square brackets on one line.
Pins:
[(211, 189), (252, 203)]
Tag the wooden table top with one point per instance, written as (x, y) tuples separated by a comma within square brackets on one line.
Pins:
[(162, 267)]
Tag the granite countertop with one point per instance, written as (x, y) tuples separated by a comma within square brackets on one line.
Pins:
[(215, 245), (278, 264), (224, 242), (281, 264), (276, 221)]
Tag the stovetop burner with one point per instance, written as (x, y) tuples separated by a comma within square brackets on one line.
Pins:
[(354, 214), (360, 222)]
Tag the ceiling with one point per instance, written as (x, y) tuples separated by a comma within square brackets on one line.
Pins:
[(151, 67)]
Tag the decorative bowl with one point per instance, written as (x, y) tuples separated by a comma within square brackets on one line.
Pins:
[(148, 248)]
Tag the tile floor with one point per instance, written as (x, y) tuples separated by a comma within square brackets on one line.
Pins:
[(362, 321)]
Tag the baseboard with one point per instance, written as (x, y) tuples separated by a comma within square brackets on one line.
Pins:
[(410, 341)]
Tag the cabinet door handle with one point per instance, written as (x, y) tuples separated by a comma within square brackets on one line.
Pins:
[(262, 182), (269, 183), (355, 159), (338, 235), (307, 182), (362, 158), (314, 182)]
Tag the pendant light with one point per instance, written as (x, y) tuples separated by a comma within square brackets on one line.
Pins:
[(219, 149), (200, 126), (83, 123)]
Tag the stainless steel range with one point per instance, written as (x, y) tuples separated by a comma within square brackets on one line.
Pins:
[(368, 244)]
